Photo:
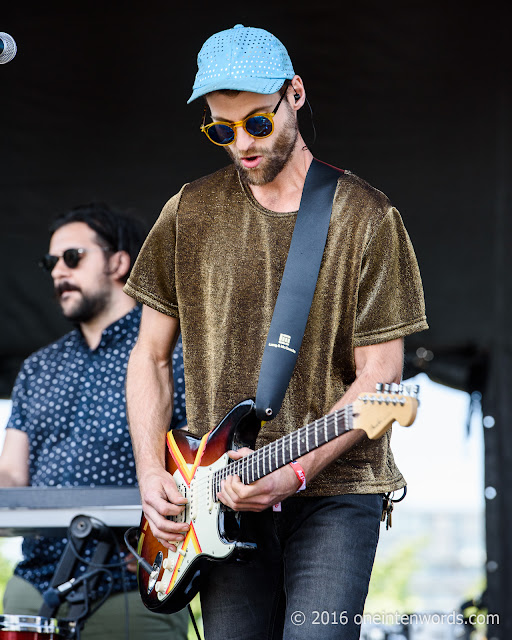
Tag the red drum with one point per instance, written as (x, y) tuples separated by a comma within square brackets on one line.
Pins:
[(13, 627)]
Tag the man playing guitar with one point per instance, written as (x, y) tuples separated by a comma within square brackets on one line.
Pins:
[(211, 269)]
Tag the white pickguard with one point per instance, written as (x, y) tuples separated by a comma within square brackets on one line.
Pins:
[(202, 512)]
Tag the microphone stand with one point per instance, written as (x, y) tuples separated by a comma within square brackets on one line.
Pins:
[(76, 591)]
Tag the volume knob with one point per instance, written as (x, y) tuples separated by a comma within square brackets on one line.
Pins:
[(160, 587)]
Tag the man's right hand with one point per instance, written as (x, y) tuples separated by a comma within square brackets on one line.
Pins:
[(161, 498), (149, 399)]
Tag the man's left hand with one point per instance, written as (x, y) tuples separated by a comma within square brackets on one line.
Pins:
[(259, 495)]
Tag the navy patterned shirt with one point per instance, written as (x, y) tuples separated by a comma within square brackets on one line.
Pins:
[(70, 401)]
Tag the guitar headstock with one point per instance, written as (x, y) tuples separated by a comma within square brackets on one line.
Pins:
[(376, 412)]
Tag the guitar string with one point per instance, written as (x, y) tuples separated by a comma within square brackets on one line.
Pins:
[(296, 438), (244, 467), (249, 466), (208, 488), (299, 438)]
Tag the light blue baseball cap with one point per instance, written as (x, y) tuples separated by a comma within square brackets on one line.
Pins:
[(243, 59)]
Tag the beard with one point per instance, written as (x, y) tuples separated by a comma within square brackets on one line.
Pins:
[(87, 307), (274, 159)]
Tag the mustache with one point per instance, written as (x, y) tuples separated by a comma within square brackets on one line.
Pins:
[(65, 286), (253, 152)]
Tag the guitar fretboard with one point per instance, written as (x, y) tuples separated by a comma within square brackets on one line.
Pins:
[(279, 453)]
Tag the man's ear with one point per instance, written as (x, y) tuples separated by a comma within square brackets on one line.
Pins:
[(119, 264), (298, 93)]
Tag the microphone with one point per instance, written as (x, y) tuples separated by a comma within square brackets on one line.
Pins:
[(55, 595), (7, 47)]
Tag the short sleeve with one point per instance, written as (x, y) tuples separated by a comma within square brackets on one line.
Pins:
[(18, 417), (390, 301), (152, 279)]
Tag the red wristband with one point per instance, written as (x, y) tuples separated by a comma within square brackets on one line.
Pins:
[(299, 472)]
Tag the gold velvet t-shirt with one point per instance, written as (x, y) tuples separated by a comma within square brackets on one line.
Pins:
[(215, 258)]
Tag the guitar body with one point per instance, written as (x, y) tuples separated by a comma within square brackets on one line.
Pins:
[(214, 529), (198, 465)]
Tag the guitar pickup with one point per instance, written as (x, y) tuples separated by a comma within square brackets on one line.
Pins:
[(180, 517)]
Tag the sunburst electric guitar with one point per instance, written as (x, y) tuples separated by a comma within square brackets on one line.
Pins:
[(170, 580)]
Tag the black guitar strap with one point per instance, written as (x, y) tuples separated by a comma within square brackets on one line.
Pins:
[(297, 288)]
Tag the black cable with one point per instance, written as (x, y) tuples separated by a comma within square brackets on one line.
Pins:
[(124, 578), (142, 561), (112, 565), (90, 563), (84, 579), (312, 123), (106, 595), (86, 613), (194, 624)]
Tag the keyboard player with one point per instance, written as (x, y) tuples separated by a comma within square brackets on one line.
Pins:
[(68, 424)]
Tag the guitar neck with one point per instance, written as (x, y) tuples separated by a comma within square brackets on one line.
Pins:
[(279, 453)]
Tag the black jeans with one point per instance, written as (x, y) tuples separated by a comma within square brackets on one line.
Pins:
[(309, 578)]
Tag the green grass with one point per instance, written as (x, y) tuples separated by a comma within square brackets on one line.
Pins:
[(6, 569)]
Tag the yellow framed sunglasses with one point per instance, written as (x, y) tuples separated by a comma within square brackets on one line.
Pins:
[(258, 125)]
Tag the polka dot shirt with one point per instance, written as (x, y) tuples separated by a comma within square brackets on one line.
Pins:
[(70, 402)]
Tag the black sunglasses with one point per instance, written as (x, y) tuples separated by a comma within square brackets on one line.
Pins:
[(71, 258)]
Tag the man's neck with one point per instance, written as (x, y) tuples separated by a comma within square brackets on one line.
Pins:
[(93, 329), (283, 194)]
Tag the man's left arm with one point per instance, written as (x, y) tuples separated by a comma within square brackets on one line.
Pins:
[(375, 363)]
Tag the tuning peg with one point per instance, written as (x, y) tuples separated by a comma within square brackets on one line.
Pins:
[(386, 388), (412, 390), (394, 387), (378, 387)]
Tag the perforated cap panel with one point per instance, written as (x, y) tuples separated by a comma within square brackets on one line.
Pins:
[(242, 58)]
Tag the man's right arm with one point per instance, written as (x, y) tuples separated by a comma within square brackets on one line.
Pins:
[(14, 471), (149, 399)]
